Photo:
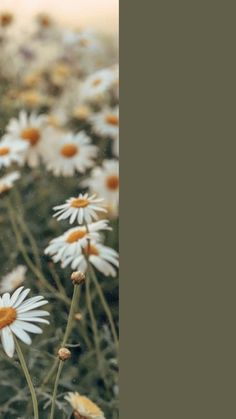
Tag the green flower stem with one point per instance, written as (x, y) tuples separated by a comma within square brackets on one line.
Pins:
[(54, 396), (67, 332), (28, 379), (92, 317), (105, 305)]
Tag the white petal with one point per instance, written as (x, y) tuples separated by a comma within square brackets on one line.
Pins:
[(21, 298), (21, 334), (32, 306), (6, 299), (15, 295), (29, 327), (8, 341)]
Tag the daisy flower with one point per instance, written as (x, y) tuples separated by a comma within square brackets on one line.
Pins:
[(96, 86), (70, 153), (104, 181), (11, 152), (83, 407), (29, 129), (74, 239), (106, 123), (17, 317), (7, 182), (101, 257), (13, 280), (83, 208)]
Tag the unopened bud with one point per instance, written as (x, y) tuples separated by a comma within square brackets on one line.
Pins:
[(64, 354), (78, 277), (78, 316)]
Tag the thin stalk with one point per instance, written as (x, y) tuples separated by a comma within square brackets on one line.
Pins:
[(54, 396), (67, 332), (92, 317), (28, 379), (105, 305)]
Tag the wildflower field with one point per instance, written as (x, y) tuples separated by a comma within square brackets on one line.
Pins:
[(59, 185)]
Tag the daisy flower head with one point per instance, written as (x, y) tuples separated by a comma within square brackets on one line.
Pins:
[(73, 240), (14, 279), (7, 182), (11, 152), (103, 258), (17, 317), (106, 123), (82, 208), (70, 153), (104, 181), (83, 407), (96, 86), (28, 129)]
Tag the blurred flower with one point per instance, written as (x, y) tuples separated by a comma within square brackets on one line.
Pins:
[(11, 152), (13, 279), (83, 407), (95, 87), (7, 182), (17, 318), (74, 239), (32, 79), (6, 19), (70, 153), (44, 20), (106, 123), (84, 208), (32, 98), (104, 181), (102, 257), (81, 112), (59, 74), (29, 130)]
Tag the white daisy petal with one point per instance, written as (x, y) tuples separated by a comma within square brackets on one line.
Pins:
[(8, 341), (21, 334)]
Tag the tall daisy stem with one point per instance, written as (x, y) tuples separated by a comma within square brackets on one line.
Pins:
[(54, 396), (67, 332), (28, 379), (105, 305)]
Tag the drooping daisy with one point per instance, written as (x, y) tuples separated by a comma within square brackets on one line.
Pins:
[(11, 152), (100, 256), (83, 407), (17, 317), (104, 181), (106, 123), (82, 208), (74, 239), (70, 153), (13, 280), (96, 86), (7, 182), (29, 130)]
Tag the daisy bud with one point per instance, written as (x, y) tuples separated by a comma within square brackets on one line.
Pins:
[(78, 277), (78, 316), (64, 354)]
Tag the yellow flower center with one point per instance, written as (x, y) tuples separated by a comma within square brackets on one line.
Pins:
[(7, 316), (32, 135), (79, 203), (96, 82), (69, 150), (112, 182), (91, 250), (112, 120), (4, 151), (75, 236)]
